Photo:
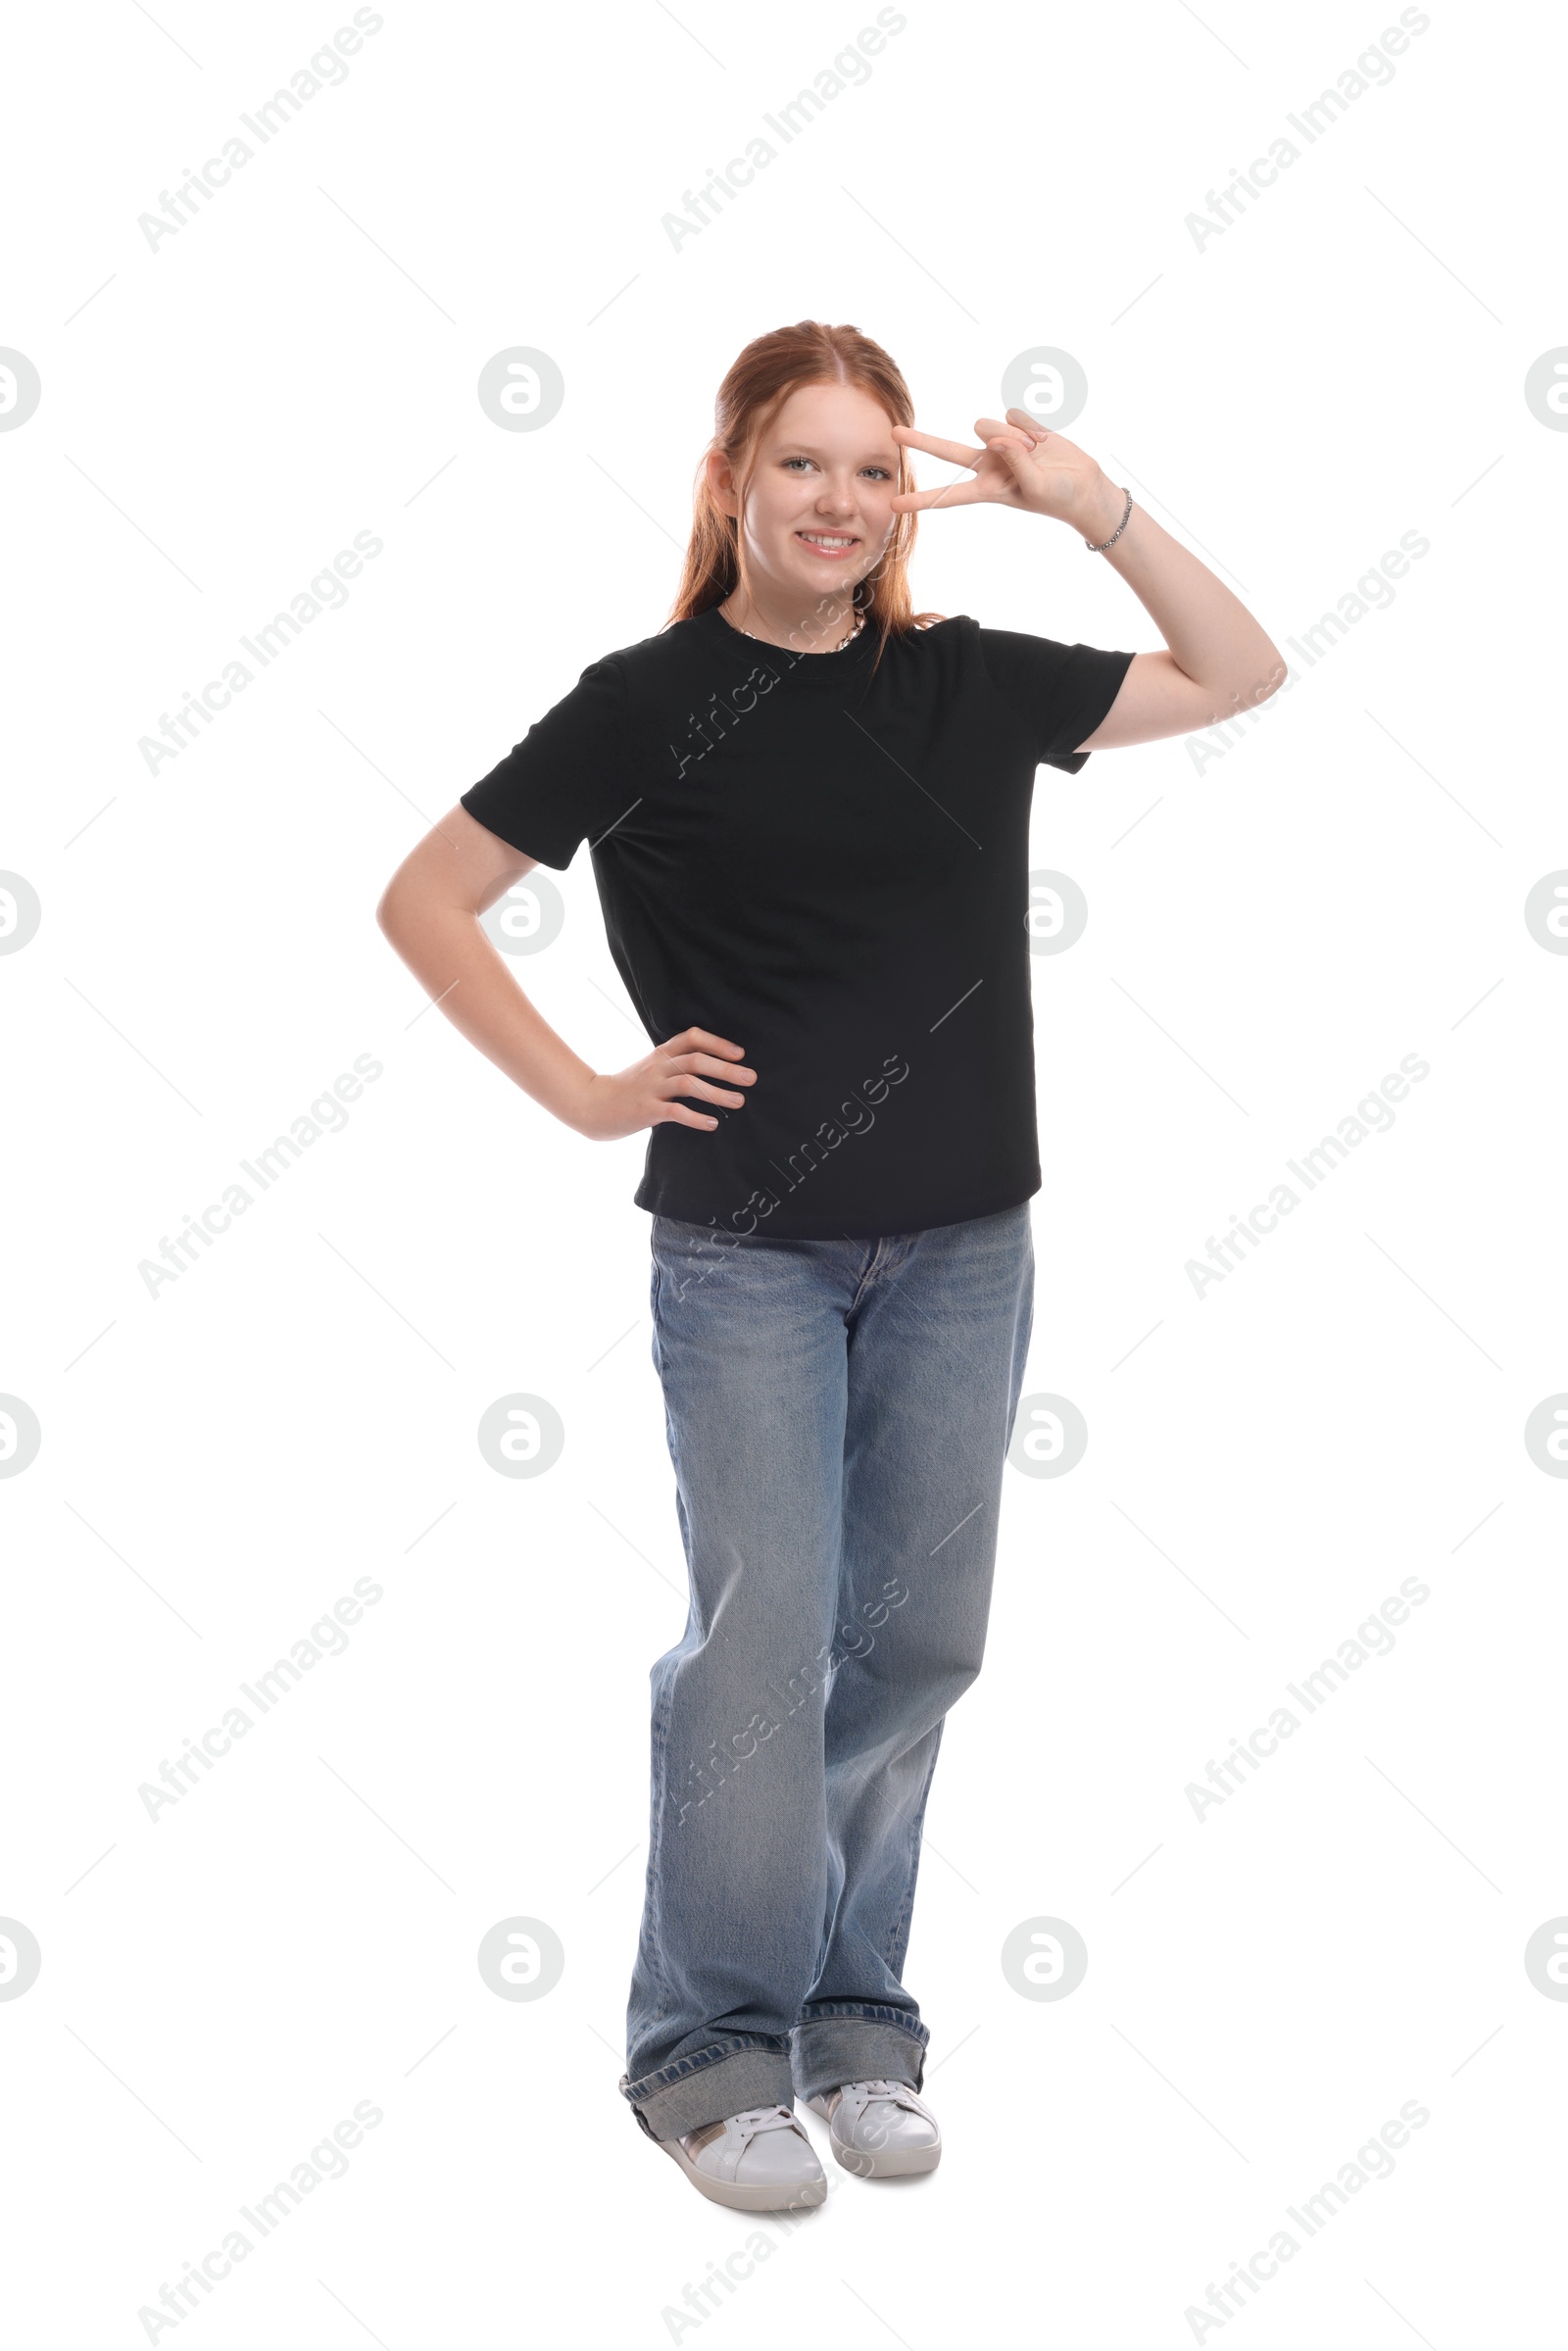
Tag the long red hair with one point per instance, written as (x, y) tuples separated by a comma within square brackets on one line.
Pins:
[(752, 392)]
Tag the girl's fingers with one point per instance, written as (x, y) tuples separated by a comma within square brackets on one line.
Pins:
[(995, 429), (702, 1040), (957, 493), (709, 1094), (688, 1081), (954, 452), (1018, 459)]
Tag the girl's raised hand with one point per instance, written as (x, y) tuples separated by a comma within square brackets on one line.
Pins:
[(1018, 464)]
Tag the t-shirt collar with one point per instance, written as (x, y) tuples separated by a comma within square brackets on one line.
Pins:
[(817, 670)]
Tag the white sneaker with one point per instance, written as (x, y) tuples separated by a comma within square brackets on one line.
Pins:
[(880, 2130), (760, 2161)]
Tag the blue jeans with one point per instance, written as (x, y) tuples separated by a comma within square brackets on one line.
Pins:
[(838, 1414)]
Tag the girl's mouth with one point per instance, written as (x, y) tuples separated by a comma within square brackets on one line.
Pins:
[(831, 544)]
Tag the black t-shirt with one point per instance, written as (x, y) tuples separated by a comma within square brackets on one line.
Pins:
[(828, 866)]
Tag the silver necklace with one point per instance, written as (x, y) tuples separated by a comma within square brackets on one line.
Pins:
[(859, 623)]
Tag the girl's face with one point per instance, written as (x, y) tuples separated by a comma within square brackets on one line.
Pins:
[(818, 511)]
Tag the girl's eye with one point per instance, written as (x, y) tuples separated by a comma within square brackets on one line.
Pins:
[(882, 472)]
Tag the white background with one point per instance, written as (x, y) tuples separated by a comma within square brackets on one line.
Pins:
[(220, 1463)]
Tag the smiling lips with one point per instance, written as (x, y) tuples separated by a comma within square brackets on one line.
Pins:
[(827, 544)]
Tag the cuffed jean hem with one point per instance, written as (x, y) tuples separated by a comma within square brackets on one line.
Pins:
[(709, 2088), (851, 2044)]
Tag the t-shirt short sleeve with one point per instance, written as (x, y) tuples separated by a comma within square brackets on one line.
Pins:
[(566, 782), (1061, 692)]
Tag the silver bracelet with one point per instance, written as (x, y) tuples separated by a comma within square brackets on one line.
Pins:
[(1116, 534)]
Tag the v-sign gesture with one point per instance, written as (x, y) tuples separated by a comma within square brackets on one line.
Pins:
[(1019, 464), (1215, 660)]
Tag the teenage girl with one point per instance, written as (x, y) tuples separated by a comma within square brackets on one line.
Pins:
[(808, 808)]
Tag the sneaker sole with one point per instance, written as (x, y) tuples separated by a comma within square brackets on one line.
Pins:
[(893, 2162), (744, 2196)]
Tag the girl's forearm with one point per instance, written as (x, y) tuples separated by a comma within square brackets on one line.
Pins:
[(445, 949), (1210, 633)]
